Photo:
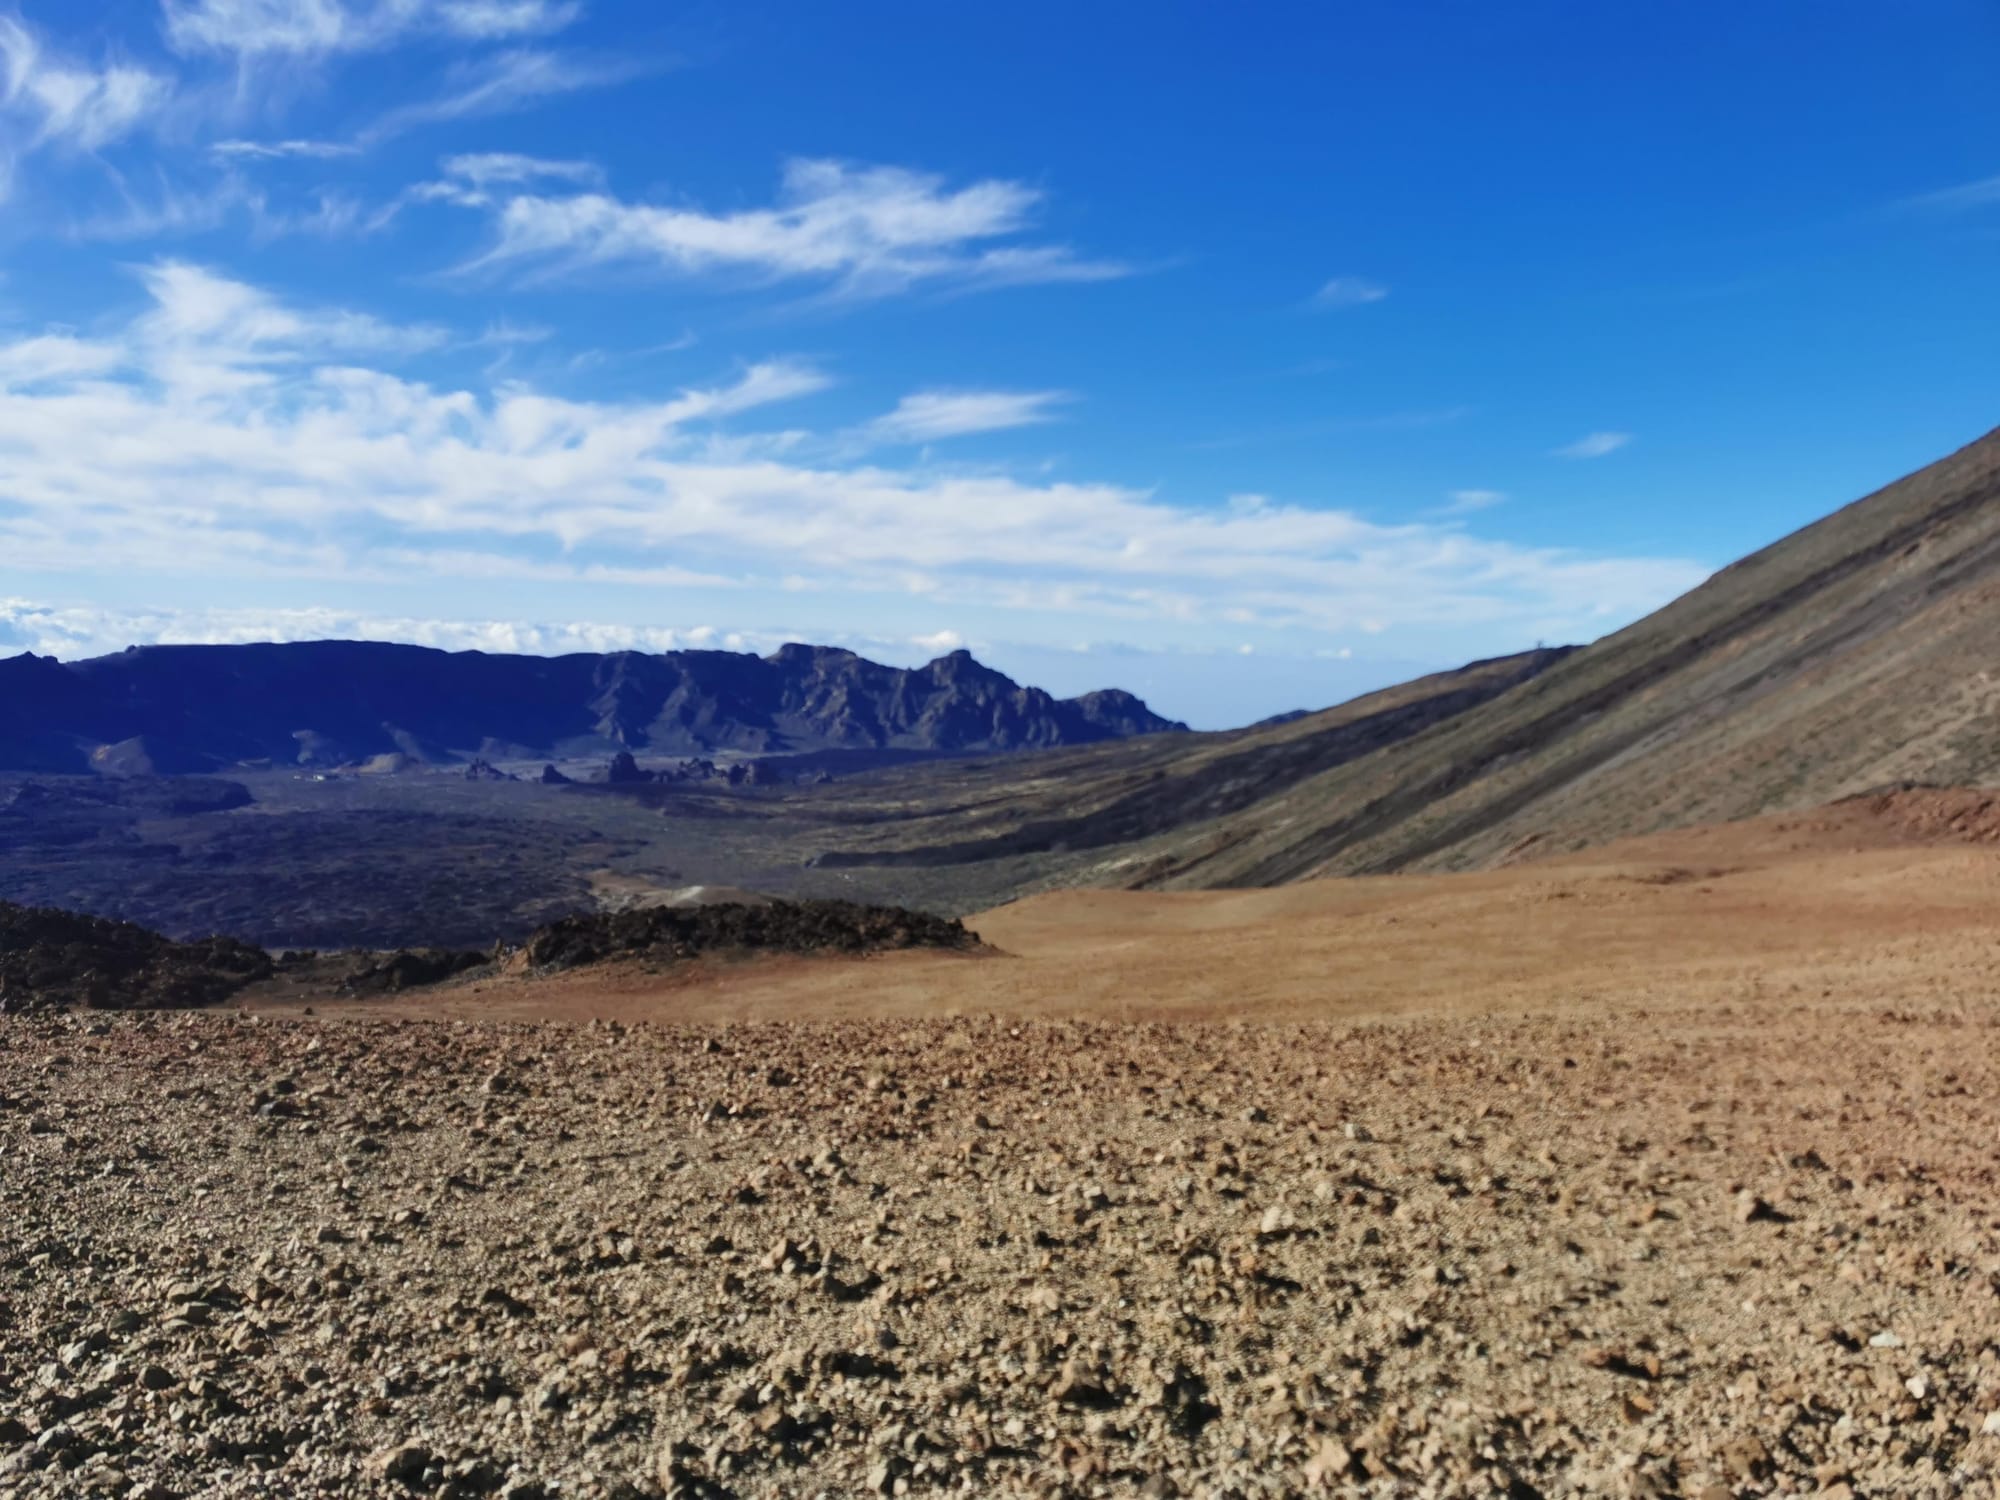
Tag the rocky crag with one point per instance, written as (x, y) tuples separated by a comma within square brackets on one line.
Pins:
[(183, 709)]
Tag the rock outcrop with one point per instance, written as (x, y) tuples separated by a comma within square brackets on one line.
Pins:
[(179, 709)]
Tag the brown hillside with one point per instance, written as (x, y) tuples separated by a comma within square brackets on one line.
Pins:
[(1854, 653), (1047, 810)]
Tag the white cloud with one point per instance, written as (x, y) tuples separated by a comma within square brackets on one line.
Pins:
[(74, 633), (330, 214), (759, 385), (504, 333), (497, 83), (1464, 502), (487, 19), (53, 356), (1594, 445), (864, 230), (468, 180), (224, 434), (309, 28), (199, 316), (930, 415), (46, 100), (283, 150), (1349, 291), (484, 169), (160, 205)]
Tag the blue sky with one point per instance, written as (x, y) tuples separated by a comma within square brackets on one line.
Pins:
[(1247, 357)]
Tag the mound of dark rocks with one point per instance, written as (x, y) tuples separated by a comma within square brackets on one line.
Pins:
[(678, 933), (410, 969), (56, 960)]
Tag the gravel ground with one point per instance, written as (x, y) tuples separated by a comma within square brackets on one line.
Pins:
[(1720, 1253)]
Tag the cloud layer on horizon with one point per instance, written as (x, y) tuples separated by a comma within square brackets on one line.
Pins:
[(224, 431), (75, 632)]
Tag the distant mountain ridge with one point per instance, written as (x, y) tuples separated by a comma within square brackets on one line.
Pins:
[(180, 709)]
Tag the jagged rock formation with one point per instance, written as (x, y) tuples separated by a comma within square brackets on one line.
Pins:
[(173, 709)]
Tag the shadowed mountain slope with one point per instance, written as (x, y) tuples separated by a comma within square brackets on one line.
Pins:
[(1861, 650), (199, 708), (1115, 795)]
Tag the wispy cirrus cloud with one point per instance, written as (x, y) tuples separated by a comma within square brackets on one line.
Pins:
[(161, 205), (1349, 291), (241, 150), (469, 181), (318, 28), (488, 19), (273, 44), (490, 168), (48, 101), (199, 319), (1465, 502), (52, 102), (498, 83), (1594, 445), (861, 231), (1983, 193), (224, 433), (488, 84), (928, 416)]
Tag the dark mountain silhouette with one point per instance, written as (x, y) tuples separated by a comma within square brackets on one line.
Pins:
[(179, 709)]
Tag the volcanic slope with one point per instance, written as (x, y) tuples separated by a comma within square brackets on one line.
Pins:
[(1045, 810), (1855, 653)]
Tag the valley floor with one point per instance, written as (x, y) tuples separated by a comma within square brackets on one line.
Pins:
[(1898, 902), (1668, 1172)]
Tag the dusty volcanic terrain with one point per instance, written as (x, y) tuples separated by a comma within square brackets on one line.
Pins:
[(1636, 1191), (1895, 898), (1738, 1254)]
